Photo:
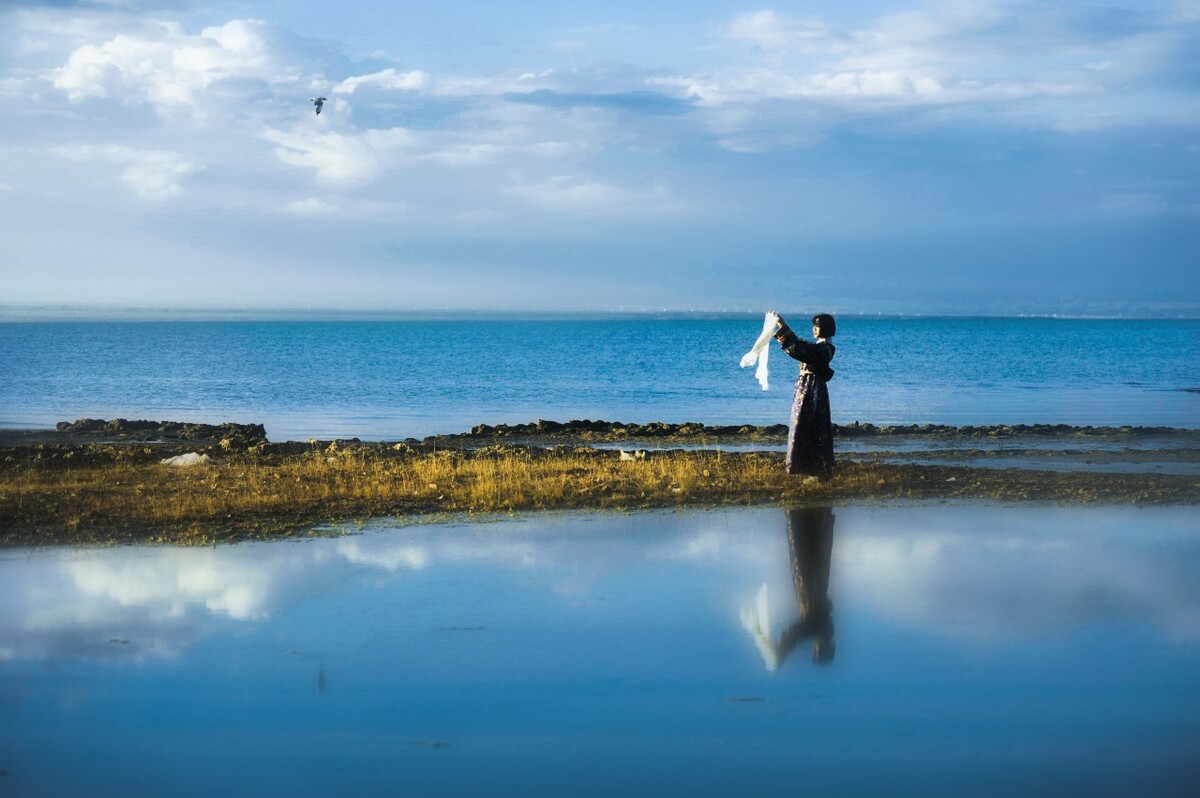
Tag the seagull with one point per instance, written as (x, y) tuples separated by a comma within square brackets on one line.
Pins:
[(319, 102)]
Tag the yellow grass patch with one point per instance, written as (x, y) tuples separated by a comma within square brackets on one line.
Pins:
[(126, 498)]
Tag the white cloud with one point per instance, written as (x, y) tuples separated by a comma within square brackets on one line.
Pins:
[(575, 194), (389, 558), (165, 66), (27, 46), (310, 207), (388, 79), (963, 586), (152, 174), (16, 88), (771, 30), (969, 54), (168, 585), (476, 152), (508, 141), (484, 136), (969, 573), (756, 85), (352, 158), (498, 84)]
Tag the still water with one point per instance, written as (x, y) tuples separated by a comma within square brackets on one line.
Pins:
[(922, 650)]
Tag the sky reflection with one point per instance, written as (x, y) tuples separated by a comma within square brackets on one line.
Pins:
[(977, 575), (978, 649)]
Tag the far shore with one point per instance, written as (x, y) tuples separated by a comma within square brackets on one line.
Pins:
[(100, 482)]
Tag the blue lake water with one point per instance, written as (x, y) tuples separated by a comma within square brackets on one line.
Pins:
[(979, 651), (413, 378)]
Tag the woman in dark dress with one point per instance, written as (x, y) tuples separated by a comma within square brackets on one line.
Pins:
[(810, 543), (810, 434)]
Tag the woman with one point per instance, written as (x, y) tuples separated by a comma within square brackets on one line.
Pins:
[(810, 436), (810, 543)]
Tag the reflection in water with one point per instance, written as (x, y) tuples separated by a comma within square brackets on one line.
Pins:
[(810, 550), (810, 542), (970, 574), (989, 646)]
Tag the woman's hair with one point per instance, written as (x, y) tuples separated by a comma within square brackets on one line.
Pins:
[(825, 325)]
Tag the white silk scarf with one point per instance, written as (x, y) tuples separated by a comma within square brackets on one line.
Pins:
[(760, 350)]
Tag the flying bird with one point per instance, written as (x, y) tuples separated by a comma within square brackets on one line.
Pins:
[(319, 102)]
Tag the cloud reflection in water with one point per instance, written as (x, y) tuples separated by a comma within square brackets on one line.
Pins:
[(977, 574)]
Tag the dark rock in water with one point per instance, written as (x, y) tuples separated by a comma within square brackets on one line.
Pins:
[(81, 425), (586, 430), (230, 435), (586, 425), (124, 425)]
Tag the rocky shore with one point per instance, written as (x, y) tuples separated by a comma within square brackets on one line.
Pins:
[(96, 481), (609, 431), (88, 431)]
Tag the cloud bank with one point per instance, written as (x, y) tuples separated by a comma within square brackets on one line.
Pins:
[(794, 140)]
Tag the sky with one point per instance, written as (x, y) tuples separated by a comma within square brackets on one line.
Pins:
[(891, 156)]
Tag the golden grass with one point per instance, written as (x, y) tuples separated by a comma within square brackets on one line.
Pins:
[(124, 498)]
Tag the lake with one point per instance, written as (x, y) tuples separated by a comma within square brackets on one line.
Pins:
[(922, 650), (391, 380)]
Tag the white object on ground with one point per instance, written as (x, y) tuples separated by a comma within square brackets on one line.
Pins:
[(760, 349), (189, 459)]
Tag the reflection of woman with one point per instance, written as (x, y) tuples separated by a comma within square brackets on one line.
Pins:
[(810, 543), (810, 434)]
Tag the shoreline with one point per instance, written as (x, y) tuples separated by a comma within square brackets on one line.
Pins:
[(545, 432), (96, 482)]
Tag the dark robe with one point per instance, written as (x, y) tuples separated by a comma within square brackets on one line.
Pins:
[(810, 433), (810, 544)]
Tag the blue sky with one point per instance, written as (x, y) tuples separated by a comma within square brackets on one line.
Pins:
[(938, 157)]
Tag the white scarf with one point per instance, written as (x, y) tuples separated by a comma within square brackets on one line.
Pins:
[(760, 349)]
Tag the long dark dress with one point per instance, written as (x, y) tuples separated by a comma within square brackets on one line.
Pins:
[(810, 543), (810, 434)]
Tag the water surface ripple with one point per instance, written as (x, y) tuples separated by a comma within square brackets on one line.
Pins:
[(415, 378)]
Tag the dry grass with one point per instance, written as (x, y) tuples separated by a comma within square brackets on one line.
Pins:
[(130, 497)]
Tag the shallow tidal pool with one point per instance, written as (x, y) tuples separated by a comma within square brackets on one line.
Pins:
[(893, 650)]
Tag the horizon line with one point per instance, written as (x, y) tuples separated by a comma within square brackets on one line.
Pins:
[(122, 313)]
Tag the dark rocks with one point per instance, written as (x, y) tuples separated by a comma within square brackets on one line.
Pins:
[(589, 431), (241, 437), (81, 426), (228, 435)]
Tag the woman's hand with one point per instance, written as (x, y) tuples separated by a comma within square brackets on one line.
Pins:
[(779, 322)]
